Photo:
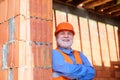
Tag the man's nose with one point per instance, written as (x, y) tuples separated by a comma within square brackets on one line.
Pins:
[(66, 35)]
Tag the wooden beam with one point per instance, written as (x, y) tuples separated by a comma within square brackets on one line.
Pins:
[(86, 1), (83, 2), (115, 14), (112, 9), (96, 3), (69, 1), (104, 6)]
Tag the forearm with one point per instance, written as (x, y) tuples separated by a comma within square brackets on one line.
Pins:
[(76, 71)]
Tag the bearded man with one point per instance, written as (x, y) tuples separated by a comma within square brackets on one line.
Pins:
[(69, 64)]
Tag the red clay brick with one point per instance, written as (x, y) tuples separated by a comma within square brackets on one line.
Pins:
[(11, 8), (34, 54), (24, 7), (0, 57), (4, 33), (17, 6), (32, 7), (4, 74), (20, 28), (41, 57), (13, 50), (39, 9), (15, 73), (44, 9), (49, 31), (38, 30), (17, 50), (3, 8), (42, 74), (30, 55), (49, 9), (10, 55), (33, 29), (23, 73), (44, 31)]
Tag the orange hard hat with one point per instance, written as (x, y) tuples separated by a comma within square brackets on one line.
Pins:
[(64, 26)]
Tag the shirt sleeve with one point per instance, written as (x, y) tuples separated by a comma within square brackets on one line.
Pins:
[(71, 71), (90, 74)]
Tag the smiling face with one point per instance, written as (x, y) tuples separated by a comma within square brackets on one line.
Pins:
[(65, 39)]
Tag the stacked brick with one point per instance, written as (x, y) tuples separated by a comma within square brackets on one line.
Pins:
[(25, 39)]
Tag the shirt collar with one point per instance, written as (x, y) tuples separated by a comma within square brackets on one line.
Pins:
[(66, 50)]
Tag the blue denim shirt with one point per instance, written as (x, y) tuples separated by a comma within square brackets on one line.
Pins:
[(72, 71)]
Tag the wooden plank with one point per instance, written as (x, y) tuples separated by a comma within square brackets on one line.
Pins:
[(111, 42), (95, 45), (54, 26), (85, 38), (117, 41), (74, 21), (104, 44), (60, 16)]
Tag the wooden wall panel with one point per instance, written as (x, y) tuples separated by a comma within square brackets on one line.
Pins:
[(60, 16), (85, 38), (73, 19), (98, 39), (111, 42), (104, 44), (54, 27), (95, 45), (117, 42)]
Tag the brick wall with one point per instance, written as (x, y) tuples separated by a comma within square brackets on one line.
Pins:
[(25, 39)]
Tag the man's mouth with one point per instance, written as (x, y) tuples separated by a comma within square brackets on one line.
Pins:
[(66, 40)]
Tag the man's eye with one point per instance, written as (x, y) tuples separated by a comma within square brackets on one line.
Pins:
[(62, 33)]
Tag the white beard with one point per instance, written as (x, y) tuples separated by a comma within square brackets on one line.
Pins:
[(65, 44)]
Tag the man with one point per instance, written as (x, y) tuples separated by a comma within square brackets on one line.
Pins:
[(69, 64)]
